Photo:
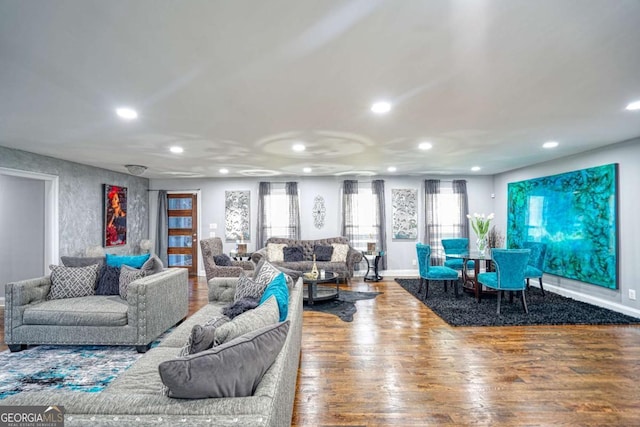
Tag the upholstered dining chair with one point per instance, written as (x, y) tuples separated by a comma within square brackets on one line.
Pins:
[(510, 266), (456, 246), (535, 267), (433, 272), (224, 266)]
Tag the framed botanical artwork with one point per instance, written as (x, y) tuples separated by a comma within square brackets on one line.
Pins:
[(236, 216), (405, 213), (115, 215)]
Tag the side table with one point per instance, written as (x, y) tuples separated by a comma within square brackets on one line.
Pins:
[(376, 255)]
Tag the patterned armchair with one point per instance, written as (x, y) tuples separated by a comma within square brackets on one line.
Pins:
[(212, 247)]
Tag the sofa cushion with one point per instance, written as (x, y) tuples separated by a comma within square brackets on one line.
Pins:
[(275, 252), (108, 281), (263, 315), (323, 253), (222, 260), (292, 253), (152, 266), (278, 289), (202, 336), (128, 275), (72, 282), (247, 287), (340, 251), (94, 310), (80, 261), (233, 369), (135, 261)]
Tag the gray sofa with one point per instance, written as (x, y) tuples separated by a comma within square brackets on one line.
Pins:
[(154, 304), (344, 269), (135, 397)]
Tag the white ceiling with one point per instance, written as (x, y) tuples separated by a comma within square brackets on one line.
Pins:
[(236, 83)]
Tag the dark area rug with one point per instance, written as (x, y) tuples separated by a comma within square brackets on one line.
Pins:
[(344, 306), (552, 309)]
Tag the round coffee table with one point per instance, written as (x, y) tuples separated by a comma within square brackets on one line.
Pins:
[(316, 292)]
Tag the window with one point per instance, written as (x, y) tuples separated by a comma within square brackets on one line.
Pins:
[(446, 210), (361, 225), (278, 210)]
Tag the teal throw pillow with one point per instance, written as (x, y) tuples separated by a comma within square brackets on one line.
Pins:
[(278, 288), (135, 261)]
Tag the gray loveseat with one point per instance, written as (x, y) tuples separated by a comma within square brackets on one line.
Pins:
[(154, 304), (345, 269), (135, 397)]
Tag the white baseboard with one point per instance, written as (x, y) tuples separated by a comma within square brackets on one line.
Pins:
[(2, 302)]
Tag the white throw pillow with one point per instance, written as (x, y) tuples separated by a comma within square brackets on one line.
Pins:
[(275, 252), (340, 251)]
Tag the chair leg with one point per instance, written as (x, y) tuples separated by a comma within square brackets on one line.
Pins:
[(524, 303), (445, 285), (499, 298), (426, 288), (541, 288), (420, 285), (527, 283), (455, 287)]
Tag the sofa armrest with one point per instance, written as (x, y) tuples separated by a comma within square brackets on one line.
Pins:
[(222, 289), (158, 302), (258, 255), (18, 295), (245, 265), (354, 256)]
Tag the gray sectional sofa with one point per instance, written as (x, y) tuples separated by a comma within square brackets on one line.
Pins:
[(154, 304), (344, 269), (135, 397)]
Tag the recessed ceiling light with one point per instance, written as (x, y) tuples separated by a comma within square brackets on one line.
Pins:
[(550, 144), (476, 168), (298, 147), (634, 106), (307, 170), (127, 113), (177, 150), (392, 169), (425, 146), (224, 171), (381, 107)]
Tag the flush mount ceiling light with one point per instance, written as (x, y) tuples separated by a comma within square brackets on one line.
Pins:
[(392, 169), (381, 107), (224, 171), (550, 144), (136, 170), (425, 145), (307, 170), (298, 147), (633, 106), (476, 168), (176, 150), (127, 113)]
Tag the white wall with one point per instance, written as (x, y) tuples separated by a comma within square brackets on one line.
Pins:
[(627, 155), (400, 253)]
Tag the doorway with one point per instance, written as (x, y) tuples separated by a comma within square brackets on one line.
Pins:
[(182, 248)]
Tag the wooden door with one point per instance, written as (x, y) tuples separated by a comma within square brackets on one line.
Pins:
[(182, 249)]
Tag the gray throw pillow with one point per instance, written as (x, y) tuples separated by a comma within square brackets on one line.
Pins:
[(240, 306), (323, 253), (222, 260), (246, 287), (201, 336), (72, 282), (152, 266), (108, 281), (81, 261), (233, 369), (293, 254), (128, 275), (265, 314)]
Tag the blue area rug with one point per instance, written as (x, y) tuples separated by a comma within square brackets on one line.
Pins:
[(78, 368)]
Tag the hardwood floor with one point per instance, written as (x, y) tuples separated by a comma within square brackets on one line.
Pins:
[(397, 363)]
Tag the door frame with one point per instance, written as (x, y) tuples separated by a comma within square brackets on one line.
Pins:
[(198, 194)]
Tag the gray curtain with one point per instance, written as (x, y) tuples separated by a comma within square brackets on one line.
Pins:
[(291, 189), (162, 228), (460, 188), (377, 187), (264, 189), (349, 206), (432, 232)]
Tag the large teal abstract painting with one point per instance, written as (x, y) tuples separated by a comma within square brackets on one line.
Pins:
[(575, 214)]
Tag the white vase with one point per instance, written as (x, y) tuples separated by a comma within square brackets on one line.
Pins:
[(482, 244)]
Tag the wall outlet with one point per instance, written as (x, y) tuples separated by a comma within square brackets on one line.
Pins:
[(632, 294), (414, 262)]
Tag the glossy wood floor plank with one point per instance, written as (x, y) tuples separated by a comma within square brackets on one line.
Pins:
[(397, 363)]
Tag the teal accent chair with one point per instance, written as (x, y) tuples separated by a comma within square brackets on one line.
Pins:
[(456, 246), (510, 265), (433, 272), (535, 267)]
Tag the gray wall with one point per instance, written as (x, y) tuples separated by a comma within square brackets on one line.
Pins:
[(627, 155), (80, 202), (401, 253), (21, 229)]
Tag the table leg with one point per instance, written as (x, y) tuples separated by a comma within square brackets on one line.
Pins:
[(377, 277), (477, 286), (310, 293)]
